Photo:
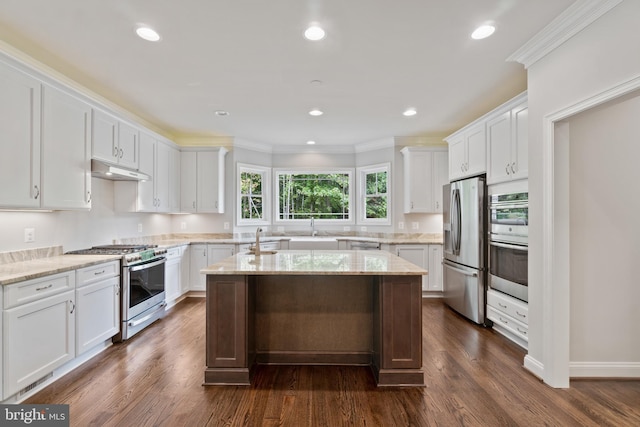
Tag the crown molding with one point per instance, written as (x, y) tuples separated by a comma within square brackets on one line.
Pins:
[(253, 146), (574, 19), (324, 149)]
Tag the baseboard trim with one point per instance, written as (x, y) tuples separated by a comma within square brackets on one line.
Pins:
[(604, 369), (534, 366)]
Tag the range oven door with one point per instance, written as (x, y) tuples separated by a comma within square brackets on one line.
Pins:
[(508, 269), (143, 287)]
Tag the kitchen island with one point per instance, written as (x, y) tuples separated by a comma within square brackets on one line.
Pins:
[(315, 307)]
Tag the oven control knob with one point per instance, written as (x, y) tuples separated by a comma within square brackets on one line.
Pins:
[(161, 251)]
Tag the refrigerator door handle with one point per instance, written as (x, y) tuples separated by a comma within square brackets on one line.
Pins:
[(461, 271), (456, 221)]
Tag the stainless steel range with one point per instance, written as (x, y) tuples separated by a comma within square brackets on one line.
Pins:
[(142, 285)]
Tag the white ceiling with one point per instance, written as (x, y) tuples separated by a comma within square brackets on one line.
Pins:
[(250, 58)]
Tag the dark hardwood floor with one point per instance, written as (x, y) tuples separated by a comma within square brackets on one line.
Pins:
[(474, 378)]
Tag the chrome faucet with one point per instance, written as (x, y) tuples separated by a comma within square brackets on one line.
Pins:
[(256, 249), (313, 227)]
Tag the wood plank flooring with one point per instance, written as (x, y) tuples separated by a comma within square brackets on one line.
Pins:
[(474, 378)]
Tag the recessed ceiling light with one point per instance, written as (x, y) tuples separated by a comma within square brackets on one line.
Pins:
[(315, 112), (221, 113), (314, 33), (148, 34), (310, 142), (482, 32), (410, 112)]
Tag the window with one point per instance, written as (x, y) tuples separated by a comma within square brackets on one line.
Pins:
[(374, 197), (253, 194), (325, 196)]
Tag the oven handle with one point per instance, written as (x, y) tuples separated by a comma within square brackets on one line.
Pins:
[(508, 205), (508, 246), (148, 316), (147, 265)]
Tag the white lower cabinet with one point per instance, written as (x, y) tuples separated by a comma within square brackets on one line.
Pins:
[(203, 255), (428, 257), (176, 273), (38, 337), (98, 313), (435, 268), (509, 316)]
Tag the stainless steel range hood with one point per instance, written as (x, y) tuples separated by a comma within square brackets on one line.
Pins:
[(116, 173)]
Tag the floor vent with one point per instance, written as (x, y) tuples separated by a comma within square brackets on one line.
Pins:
[(30, 387)]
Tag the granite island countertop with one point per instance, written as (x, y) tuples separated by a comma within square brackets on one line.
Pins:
[(316, 262)]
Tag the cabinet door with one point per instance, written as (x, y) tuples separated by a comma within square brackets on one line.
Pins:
[(37, 338), (435, 268), (98, 313), (418, 255), (475, 141), (418, 181), (520, 142), (207, 177), (217, 253), (20, 139), (440, 178), (188, 181), (198, 261), (104, 137), (174, 180), (499, 148), (185, 271), (172, 276), (66, 148), (128, 146), (457, 158), (161, 177), (146, 200)]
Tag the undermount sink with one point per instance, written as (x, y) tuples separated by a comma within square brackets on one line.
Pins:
[(313, 242)]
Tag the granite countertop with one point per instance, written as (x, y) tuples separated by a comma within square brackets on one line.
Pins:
[(32, 269), (316, 262)]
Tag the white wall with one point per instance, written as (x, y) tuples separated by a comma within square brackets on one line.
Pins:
[(605, 233), (598, 58), (81, 229)]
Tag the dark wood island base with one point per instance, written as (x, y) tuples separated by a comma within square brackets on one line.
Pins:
[(362, 319)]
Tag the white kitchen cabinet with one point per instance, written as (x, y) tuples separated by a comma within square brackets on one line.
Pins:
[(185, 269), (509, 316), (507, 142), (467, 152), (202, 181), (66, 151), (97, 305), (114, 141), (20, 96), (216, 253), (38, 329), (435, 268), (176, 272), (198, 261), (424, 169), (418, 255), (174, 179)]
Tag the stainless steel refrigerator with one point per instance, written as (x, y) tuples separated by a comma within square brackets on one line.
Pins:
[(465, 257)]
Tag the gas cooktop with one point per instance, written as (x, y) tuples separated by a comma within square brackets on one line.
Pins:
[(113, 249)]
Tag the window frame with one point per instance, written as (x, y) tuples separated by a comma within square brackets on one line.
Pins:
[(362, 173), (265, 172), (285, 171)]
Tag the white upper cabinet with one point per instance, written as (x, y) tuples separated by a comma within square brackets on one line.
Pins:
[(66, 151), (20, 96), (114, 141), (507, 143), (425, 172), (202, 181), (174, 179), (467, 152)]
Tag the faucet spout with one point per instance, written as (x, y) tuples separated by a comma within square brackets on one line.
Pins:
[(257, 247)]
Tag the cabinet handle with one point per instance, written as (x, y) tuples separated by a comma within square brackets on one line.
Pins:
[(411, 205), (115, 151), (513, 167), (194, 204), (117, 287), (523, 332), (503, 321), (73, 307), (97, 273), (35, 187), (506, 169), (503, 306), (121, 153), (520, 314), (158, 202), (88, 196), (50, 285), (462, 167)]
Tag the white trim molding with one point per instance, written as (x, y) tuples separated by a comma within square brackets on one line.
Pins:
[(534, 366), (555, 366), (604, 369), (569, 23)]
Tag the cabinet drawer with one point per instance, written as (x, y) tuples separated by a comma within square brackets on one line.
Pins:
[(173, 253), (95, 273), (35, 289), (508, 305), (509, 323)]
